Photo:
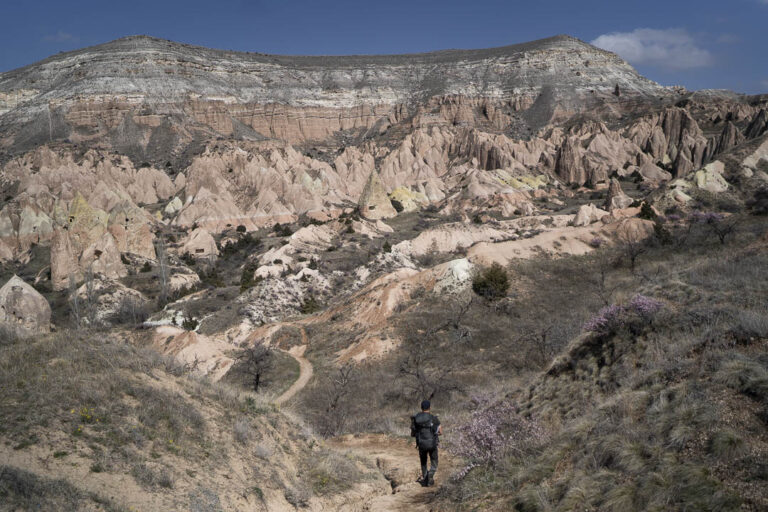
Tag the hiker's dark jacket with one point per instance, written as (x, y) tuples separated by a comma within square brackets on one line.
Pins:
[(424, 427)]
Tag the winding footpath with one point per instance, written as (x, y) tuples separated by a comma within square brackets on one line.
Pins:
[(396, 458), (305, 372)]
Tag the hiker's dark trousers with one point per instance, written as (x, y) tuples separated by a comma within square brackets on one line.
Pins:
[(432, 459)]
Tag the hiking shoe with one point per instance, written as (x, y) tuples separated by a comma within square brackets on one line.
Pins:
[(422, 481), (430, 481)]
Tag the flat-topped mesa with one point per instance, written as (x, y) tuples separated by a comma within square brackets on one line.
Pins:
[(140, 88), (150, 67)]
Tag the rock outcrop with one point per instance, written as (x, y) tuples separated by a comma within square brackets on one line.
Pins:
[(588, 214), (710, 178), (200, 244), (758, 126), (22, 309), (616, 198), (103, 257), (374, 202), (483, 134), (64, 263), (113, 302), (131, 228)]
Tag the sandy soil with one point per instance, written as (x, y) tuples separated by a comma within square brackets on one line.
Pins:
[(305, 371), (398, 460)]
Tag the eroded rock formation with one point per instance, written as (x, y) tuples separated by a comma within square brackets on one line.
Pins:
[(22, 309)]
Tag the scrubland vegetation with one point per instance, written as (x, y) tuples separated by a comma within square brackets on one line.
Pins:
[(589, 384), (98, 401)]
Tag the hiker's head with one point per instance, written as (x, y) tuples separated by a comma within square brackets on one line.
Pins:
[(425, 405)]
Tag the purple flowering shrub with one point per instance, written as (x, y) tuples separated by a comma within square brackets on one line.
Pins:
[(644, 307), (673, 217), (493, 431), (705, 217), (606, 320), (596, 242), (611, 318)]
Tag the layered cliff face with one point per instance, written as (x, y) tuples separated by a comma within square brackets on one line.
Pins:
[(154, 96)]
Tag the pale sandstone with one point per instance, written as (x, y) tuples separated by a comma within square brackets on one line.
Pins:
[(23, 309), (374, 203), (102, 257), (64, 262)]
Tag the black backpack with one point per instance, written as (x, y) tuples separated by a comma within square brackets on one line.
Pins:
[(423, 429)]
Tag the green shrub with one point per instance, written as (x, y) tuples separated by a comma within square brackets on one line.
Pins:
[(248, 279), (243, 243), (283, 230), (188, 259), (646, 212), (146, 267), (310, 305), (491, 282), (189, 323)]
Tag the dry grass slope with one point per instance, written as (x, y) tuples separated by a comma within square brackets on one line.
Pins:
[(93, 422)]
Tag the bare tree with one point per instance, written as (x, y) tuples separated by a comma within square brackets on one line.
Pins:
[(75, 307), (131, 310), (256, 362), (459, 331), (426, 375), (632, 245), (337, 407), (602, 288), (90, 296), (430, 257), (720, 226), (541, 343), (163, 269)]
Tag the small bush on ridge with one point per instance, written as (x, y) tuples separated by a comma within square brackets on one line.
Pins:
[(492, 282)]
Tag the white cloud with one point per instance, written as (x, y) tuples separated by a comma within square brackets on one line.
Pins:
[(60, 37), (670, 48)]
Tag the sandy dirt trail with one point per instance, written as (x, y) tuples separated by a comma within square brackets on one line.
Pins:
[(398, 459), (305, 373)]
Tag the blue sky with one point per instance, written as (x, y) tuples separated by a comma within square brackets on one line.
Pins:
[(698, 44)]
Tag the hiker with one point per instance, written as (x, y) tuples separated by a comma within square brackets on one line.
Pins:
[(425, 427)]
